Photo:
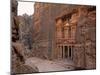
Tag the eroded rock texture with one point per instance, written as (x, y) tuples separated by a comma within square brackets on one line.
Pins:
[(54, 32), (19, 52), (80, 39), (45, 26), (86, 38)]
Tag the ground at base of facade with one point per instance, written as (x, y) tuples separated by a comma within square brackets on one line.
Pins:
[(50, 65)]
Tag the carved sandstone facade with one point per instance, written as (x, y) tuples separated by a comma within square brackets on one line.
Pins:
[(66, 32)]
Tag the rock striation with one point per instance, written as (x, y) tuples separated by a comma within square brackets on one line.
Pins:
[(82, 37)]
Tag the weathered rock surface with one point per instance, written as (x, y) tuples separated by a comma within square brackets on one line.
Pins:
[(19, 56), (86, 38), (18, 51), (38, 38), (45, 16), (21, 68)]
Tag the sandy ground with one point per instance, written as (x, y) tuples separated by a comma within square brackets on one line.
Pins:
[(47, 65)]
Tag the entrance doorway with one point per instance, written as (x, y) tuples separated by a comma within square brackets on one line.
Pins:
[(68, 51), (65, 52)]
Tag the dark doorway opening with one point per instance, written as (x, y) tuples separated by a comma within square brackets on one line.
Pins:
[(69, 51), (66, 51), (62, 52)]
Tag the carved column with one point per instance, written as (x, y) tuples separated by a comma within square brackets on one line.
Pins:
[(63, 51)]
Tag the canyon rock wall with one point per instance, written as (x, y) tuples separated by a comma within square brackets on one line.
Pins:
[(84, 50), (18, 50), (45, 15)]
